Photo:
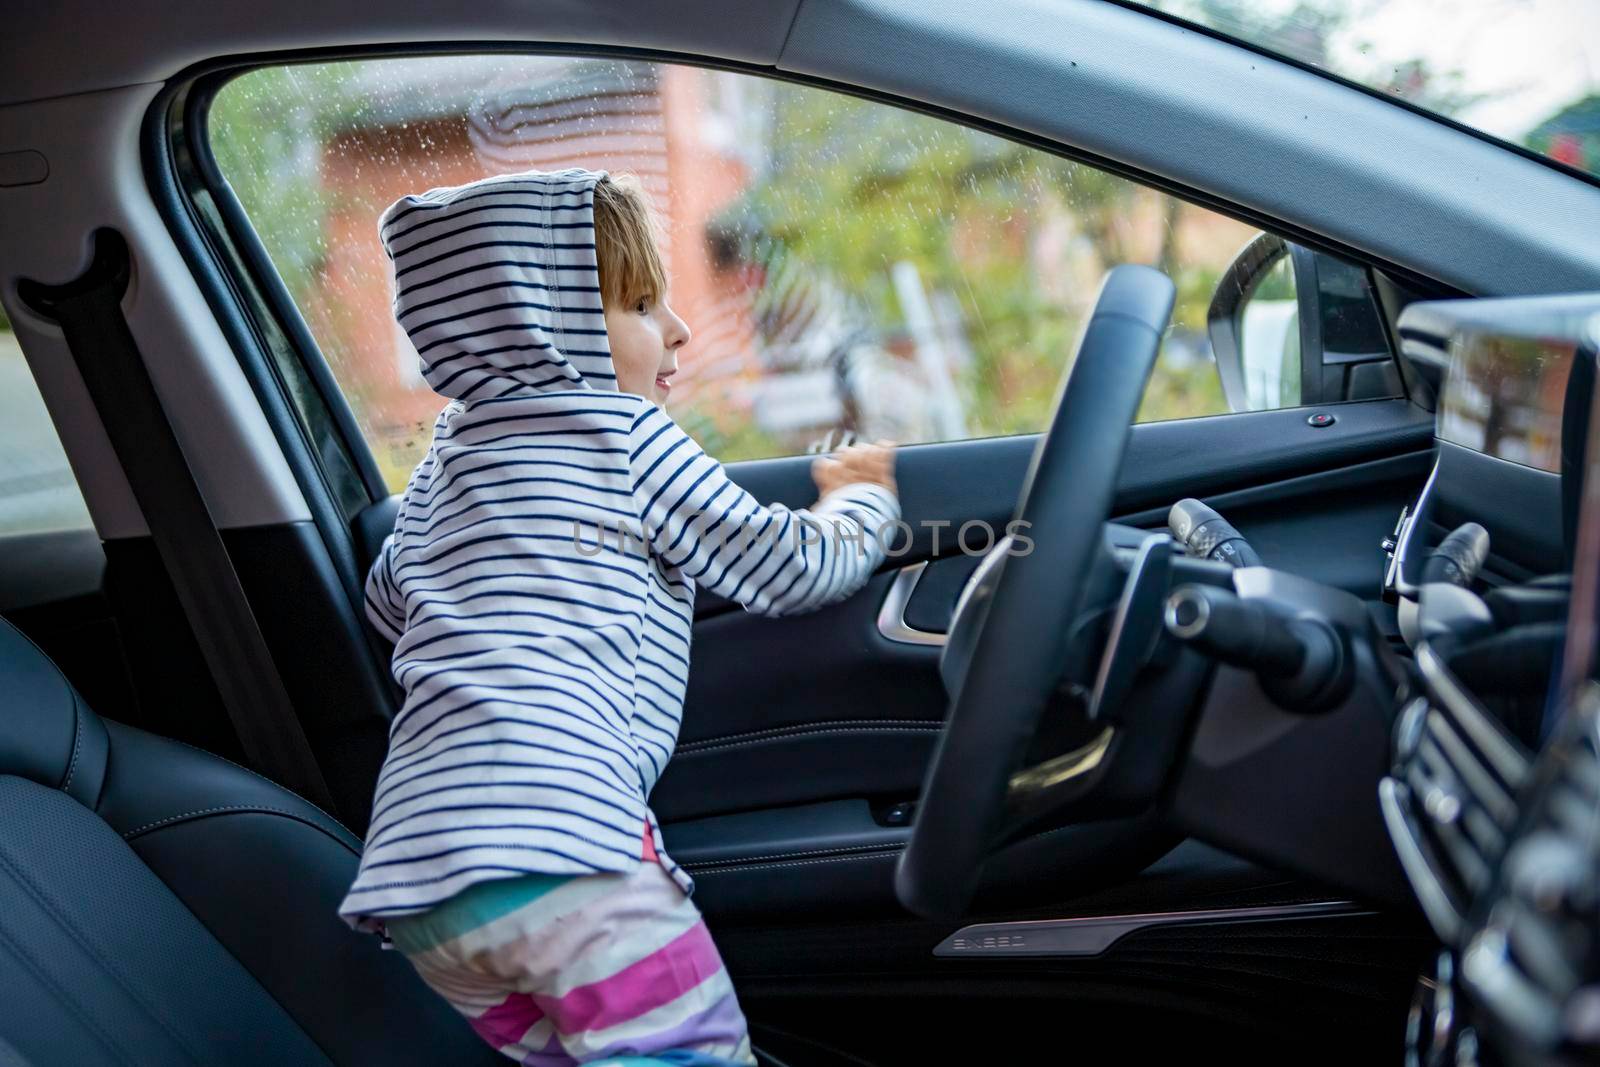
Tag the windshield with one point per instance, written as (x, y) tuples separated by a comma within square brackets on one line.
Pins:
[(1525, 71)]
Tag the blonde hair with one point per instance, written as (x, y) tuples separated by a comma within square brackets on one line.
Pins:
[(626, 244)]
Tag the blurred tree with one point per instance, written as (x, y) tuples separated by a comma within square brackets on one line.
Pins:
[(853, 187), (267, 129), (1571, 135)]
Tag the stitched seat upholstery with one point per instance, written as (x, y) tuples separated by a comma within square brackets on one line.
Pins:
[(159, 905)]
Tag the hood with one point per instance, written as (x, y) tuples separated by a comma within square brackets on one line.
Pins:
[(497, 286)]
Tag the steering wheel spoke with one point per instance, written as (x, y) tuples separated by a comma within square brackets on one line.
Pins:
[(1036, 791)]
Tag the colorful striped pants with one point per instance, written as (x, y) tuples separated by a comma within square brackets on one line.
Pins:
[(597, 969)]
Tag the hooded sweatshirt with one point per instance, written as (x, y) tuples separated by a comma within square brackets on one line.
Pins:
[(539, 583)]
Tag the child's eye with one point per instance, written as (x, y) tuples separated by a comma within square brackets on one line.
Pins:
[(642, 307)]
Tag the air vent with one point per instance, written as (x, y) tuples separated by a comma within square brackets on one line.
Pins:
[(1532, 962), (1451, 802)]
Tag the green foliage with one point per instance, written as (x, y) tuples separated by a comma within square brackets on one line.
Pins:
[(1277, 283), (855, 187), (1182, 393), (266, 129)]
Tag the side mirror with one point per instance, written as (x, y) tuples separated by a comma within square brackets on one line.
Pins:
[(1290, 326)]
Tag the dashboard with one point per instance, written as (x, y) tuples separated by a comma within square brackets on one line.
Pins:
[(1492, 800)]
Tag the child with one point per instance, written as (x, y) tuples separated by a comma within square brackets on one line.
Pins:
[(511, 855)]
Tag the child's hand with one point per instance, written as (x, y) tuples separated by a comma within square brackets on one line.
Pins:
[(856, 463)]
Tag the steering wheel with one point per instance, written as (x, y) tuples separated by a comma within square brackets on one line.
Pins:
[(1009, 639)]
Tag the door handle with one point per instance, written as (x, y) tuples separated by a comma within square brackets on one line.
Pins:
[(892, 615)]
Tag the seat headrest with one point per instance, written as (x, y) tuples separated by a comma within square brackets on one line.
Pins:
[(47, 733)]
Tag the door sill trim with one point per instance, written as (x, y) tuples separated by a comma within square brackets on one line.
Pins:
[(1093, 935)]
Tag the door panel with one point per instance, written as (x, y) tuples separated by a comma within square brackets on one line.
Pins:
[(811, 707)]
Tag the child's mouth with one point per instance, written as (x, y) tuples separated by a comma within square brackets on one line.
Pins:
[(663, 386)]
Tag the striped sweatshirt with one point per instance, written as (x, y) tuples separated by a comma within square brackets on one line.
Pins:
[(540, 579)]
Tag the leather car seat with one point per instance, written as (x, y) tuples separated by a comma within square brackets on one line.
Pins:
[(160, 905)]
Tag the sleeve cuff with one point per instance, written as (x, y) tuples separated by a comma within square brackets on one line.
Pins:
[(877, 497)]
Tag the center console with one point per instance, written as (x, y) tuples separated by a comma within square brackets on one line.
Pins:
[(1492, 800)]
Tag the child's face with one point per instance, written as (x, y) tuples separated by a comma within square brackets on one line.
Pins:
[(645, 339)]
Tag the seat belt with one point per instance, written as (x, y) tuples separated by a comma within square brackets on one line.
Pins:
[(89, 311)]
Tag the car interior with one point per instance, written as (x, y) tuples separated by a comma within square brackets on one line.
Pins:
[(1246, 737)]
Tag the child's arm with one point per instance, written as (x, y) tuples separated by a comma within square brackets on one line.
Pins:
[(385, 607), (697, 519)]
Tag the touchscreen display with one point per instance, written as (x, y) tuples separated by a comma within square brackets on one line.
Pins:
[(1504, 396)]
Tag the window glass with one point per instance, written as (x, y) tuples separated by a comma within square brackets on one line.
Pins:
[(38, 493), (847, 267), (1524, 71)]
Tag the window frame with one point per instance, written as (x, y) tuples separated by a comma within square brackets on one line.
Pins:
[(245, 289), (279, 328)]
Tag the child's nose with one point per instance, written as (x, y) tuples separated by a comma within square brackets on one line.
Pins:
[(677, 331)]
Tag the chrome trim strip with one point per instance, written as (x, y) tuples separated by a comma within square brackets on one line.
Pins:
[(892, 615), (1480, 783), (1441, 913), (1065, 767), (1090, 936), (1420, 510)]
